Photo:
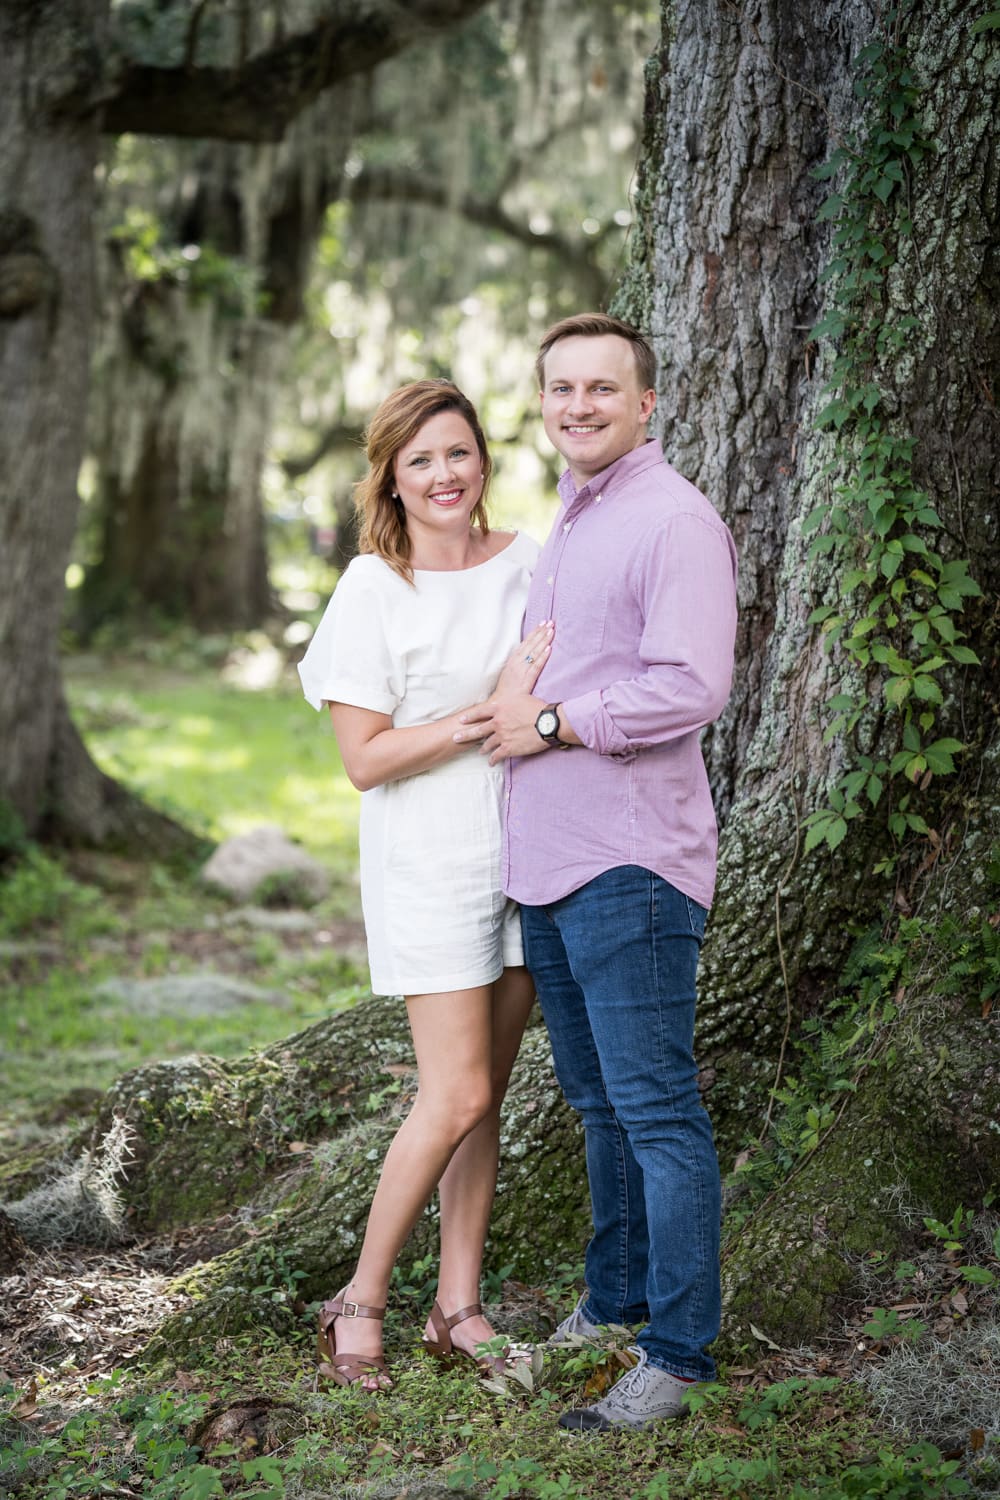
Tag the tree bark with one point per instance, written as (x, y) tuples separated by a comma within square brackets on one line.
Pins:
[(258, 100), (744, 105), (46, 267)]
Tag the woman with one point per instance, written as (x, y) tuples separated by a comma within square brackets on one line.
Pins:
[(419, 629)]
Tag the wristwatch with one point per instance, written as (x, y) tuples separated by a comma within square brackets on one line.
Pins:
[(547, 725)]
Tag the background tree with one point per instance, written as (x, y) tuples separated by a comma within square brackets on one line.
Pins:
[(410, 181)]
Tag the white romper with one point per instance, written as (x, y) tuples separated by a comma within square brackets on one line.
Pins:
[(436, 917)]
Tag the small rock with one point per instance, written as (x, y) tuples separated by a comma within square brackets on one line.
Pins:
[(29, 948), (267, 920), (242, 864), (202, 994)]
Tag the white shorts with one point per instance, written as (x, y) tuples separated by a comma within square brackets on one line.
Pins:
[(436, 917)]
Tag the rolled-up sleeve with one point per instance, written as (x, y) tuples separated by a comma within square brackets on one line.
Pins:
[(349, 659), (684, 588)]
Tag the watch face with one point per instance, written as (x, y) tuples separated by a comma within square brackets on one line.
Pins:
[(547, 722)]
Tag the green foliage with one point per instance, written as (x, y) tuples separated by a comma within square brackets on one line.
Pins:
[(899, 598), (796, 1437), (37, 892), (13, 837), (201, 269), (885, 1323)]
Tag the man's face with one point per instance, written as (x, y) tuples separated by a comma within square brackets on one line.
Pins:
[(593, 408)]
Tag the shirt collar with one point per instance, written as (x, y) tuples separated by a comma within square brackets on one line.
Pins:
[(613, 477)]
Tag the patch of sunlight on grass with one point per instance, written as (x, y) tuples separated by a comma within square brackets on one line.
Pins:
[(189, 724), (221, 758)]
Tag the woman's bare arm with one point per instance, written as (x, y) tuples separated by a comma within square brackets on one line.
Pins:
[(374, 752)]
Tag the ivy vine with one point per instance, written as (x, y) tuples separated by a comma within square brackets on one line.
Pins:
[(899, 600)]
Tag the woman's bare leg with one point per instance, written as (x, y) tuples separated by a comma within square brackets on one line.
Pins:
[(468, 1186), (453, 1041)]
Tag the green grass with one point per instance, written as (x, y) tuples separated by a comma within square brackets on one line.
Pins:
[(794, 1439), (221, 759)]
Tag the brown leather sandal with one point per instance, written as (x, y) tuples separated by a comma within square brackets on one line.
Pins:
[(442, 1348), (339, 1367)]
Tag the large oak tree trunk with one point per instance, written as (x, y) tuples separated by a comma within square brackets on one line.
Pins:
[(46, 283), (746, 103), (47, 165)]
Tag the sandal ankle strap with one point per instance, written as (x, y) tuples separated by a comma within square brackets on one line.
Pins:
[(472, 1311), (342, 1307)]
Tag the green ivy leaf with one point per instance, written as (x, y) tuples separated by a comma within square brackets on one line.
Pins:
[(836, 830), (926, 689)]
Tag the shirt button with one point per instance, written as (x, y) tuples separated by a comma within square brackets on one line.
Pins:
[(568, 526), (550, 579), (599, 499)]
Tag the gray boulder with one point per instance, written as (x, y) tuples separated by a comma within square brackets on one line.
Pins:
[(266, 864)]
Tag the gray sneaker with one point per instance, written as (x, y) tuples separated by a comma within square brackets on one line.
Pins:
[(643, 1395), (576, 1328)]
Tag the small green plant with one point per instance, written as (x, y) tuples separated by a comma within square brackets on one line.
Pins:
[(275, 1276), (885, 1323), (417, 1283), (37, 892), (286, 890), (952, 1233)]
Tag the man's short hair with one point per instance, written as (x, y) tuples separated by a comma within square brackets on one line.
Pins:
[(595, 325)]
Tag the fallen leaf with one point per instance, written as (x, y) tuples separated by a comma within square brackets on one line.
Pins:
[(763, 1339), (27, 1403)]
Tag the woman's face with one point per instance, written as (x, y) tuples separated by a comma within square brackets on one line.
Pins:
[(438, 476)]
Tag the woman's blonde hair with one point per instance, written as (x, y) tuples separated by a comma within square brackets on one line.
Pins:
[(381, 517)]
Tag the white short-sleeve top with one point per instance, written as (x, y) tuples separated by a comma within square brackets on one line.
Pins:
[(419, 651), (436, 916)]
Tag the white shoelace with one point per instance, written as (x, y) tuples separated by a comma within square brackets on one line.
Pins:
[(633, 1382)]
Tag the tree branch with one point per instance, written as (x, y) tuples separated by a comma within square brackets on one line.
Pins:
[(339, 436), (404, 187), (257, 100)]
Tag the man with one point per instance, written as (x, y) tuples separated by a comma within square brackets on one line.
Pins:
[(610, 848)]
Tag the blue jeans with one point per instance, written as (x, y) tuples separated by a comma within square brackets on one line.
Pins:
[(614, 965)]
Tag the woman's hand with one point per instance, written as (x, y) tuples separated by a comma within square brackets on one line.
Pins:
[(521, 669)]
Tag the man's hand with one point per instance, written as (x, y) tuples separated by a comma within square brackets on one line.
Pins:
[(506, 727)]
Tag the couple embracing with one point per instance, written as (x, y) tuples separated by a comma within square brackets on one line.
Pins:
[(524, 726)]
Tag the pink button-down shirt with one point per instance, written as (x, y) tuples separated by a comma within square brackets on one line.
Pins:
[(639, 575)]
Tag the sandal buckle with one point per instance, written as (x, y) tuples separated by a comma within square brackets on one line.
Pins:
[(349, 1310)]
